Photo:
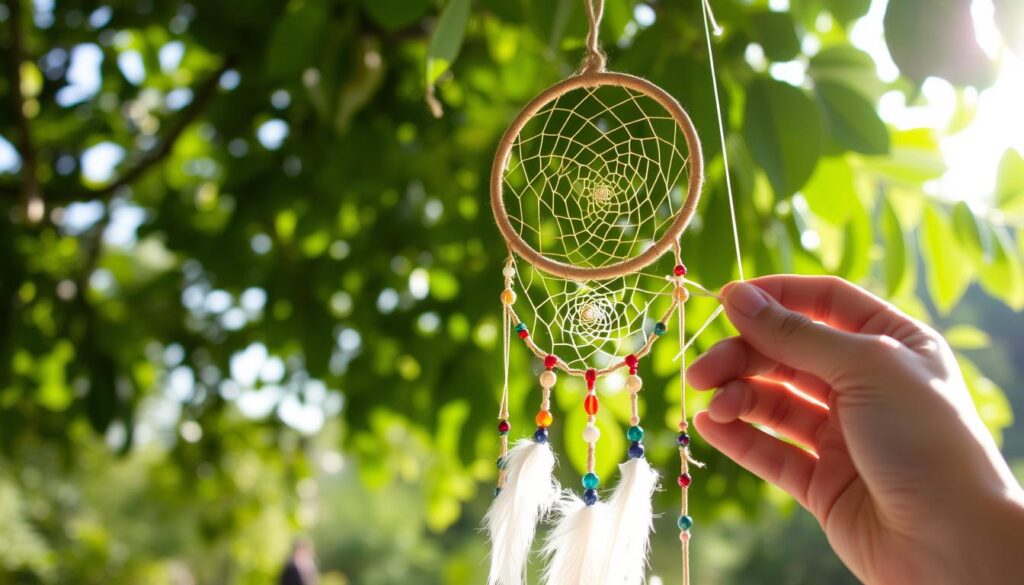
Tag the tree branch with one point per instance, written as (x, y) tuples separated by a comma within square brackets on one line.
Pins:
[(30, 194)]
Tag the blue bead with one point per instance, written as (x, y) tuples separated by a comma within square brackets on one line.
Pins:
[(660, 328), (635, 434), (684, 523), (590, 497), (591, 481), (636, 450), (497, 491), (683, 440), (540, 435), (520, 327)]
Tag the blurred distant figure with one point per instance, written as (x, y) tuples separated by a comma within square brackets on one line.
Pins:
[(301, 567)]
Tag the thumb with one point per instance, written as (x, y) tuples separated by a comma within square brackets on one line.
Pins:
[(788, 337)]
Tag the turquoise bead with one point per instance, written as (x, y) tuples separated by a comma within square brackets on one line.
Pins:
[(635, 434), (660, 328), (591, 481), (684, 523), (520, 328)]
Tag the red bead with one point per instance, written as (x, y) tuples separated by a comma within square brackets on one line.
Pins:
[(680, 270), (631, 361), (684, 480), (590, 376), (524, 334), (550, 361), (504, 426), (590, 404)]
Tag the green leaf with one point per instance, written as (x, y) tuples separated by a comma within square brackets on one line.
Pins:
[(847, 10), (848, 66), (1003, 276), (858, 239), (394, 14), (774, 111), (1010, 182), (949, 270), (966, 337), (936, 38), (832, 193), (776, 33), (446, 40), (897, 257), (973, 237), (852, 120), (989, 399), (297, 39)]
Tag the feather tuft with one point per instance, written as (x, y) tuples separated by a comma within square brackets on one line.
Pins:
[(528, 495), (630, 523), (577, 543)]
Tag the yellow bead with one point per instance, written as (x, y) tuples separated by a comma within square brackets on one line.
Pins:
[(681, 294), (508, 296), (544, 419)]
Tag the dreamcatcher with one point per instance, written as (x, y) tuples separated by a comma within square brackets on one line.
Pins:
[(592, 187)]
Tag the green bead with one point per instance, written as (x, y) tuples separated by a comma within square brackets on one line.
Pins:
[(635, 434), (520, 327), (660, 328), (684, 523), (591, 481)]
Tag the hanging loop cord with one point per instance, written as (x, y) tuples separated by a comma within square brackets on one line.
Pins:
[(595, 60)]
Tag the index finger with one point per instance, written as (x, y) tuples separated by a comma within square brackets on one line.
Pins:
[(836, 302)]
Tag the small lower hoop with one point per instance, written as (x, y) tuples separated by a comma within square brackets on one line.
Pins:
[(671, 235)]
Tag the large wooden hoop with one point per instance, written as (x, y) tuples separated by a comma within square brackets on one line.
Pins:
[(671, 235)]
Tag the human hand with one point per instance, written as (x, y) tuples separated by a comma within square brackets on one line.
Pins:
[(897, 468)]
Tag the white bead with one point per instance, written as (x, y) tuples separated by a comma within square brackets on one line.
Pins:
[(548, 379), (634, 383), (591, 434), (508, 272)]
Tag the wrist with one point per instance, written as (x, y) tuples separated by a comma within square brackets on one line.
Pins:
[(992, 547)]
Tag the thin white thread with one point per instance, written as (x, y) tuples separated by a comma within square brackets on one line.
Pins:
[(706, 7)]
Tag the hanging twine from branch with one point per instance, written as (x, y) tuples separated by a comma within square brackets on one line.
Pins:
[(595, 60)]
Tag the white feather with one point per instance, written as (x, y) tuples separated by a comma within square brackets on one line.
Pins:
[(630, 522), (577, 543), (529, 492)]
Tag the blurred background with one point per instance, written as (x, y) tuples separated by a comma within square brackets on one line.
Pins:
[(249, 277)]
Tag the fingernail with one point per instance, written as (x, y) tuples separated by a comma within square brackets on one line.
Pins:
[(746, 298)]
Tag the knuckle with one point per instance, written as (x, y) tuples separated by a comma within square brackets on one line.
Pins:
[(789, 326)]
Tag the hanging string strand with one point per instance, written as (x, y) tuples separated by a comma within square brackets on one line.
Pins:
[(596, 59)]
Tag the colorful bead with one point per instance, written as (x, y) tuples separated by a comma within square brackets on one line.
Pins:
[(502, 463), (591, 434), (683, 439), (590, 497), (680, 294), (591, 481), (634, 420), (590, 376), (550, 361), (679, 270), (636, 450), (631, 362), (520, 327), (684, 480), (524, 334), (683, 425), (544, 419), (590, 404), (504, 427), (635, 433), (684, 536), (684, 523), (660, 328), (508, 296), (540, 435), (497, 491), (548, 379), (634, 383)]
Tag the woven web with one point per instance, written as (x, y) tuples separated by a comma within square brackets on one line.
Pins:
[(595, 177)]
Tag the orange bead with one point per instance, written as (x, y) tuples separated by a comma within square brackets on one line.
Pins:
[(544, 419), (508, 296), (590, 404)]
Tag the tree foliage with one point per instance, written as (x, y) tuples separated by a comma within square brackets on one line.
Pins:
[(290, 256)]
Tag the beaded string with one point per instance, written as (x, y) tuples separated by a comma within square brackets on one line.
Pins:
[(684, 522), (590, 436), (508, 296)]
